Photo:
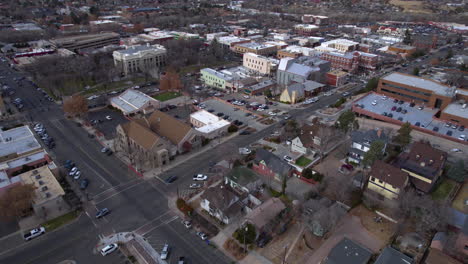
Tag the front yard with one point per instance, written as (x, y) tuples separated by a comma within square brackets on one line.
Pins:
[(60, 221), (167, 96), (443, 190)]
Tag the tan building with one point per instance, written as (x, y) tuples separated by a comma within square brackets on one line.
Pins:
[(415, 89), (288, 53), (141, 58), (144, 147), (48, 193), (258, 63), (256, 48), (401, 49), (340, 45), (96, 41)]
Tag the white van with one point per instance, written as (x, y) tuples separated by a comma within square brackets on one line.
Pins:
[(108, 249)]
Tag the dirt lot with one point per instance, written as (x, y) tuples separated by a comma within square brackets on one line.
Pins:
[(411, 6), (383, 230)]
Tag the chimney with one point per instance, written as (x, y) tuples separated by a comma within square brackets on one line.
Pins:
[(431, 162)]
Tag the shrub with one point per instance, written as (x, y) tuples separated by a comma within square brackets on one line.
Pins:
[(249, 235), (183, 206), (338, 103), (232, 129)]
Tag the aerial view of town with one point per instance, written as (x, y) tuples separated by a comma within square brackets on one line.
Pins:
[(225, 132)]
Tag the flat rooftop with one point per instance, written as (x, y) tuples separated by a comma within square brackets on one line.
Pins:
[(306, 26), (139, 48), (457, 109), (420, 83), (47, 186), (131, 100), (424, 117), (17, 141), (217, 74), (255, 45)]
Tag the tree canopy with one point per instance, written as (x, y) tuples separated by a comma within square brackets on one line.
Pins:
[(403, 138), (346, 121), (76, 105), (457, 171), (246, 232), (376, 152)]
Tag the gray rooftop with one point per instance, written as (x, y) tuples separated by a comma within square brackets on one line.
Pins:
[(131, 100), (421, 83), (349, 252), (392, 256), (311, 85), (17, 141), (138, 48), (457, 109)]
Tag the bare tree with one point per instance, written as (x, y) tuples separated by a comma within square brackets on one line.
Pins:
[(76, 105), (327, 137), (17, 201)]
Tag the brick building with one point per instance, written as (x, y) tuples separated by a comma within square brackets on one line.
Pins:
[(351, 61), (336, 78), (306, 30), (256, 48)]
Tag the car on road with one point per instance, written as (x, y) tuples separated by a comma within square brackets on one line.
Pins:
[(454, 126), (102, 212), (181, 260), (84, 184), (77, 175), (246, 96), (108, 249), (200, 177), (195, 186), (346, 94), (287, 158), (171, 179), (108, 117), (421, 107), (165, 252), (456, 150), (202, 235), (286, 117), (187, 224), (34, 233)]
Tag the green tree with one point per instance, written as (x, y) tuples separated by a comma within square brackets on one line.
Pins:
[(245, 234), (346, 121), (403, 138), (457, 171), (407, 38), (416, 71), (372, 84), (376, 152)]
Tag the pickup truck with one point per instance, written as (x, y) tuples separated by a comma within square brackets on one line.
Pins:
[(34, 233)]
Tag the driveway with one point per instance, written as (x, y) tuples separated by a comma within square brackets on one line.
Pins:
[(350, 227)]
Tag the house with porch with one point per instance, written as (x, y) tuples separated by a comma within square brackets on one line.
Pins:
[(361, 142), (270, 165), (221, 202), (424, 164)]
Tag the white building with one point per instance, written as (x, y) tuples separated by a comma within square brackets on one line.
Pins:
[(258, 63), (209, 125), (132, 101), (142, 58), (340, 45)]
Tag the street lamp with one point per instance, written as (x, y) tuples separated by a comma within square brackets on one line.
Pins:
[(245, 233)]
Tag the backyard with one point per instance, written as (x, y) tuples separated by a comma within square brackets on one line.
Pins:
[(303, 161), (443, 190), (166, 96)]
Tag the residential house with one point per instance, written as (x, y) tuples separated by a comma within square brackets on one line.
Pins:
[(179, 133), (243, 179), (390, 255), (268, 164), (424, 164), (143, 146), (318, 215), (222, 203), (386, 180), (361, 142), (262, 216), (133, 101), (301, 69), (349, 252), (313, 138)]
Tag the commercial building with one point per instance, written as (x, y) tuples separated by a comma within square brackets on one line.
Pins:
[(228, 42), (401, 49), (295, 52), (216, 79), (313, 19), (17, 142), (301, 70), (339, 45), (209, 125), (393, 31), (336, 78), (141, 58), (257, 63), (131, 102), (456, 112), (256, 48), (95, 41), (425, 42), (416, 89), (306, 30), (260, 88), (211, 36), (351, 61)]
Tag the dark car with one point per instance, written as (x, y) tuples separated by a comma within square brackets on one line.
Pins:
[(400, 118), (400, 102), (412, 104), (245, 132), (462, 128), (69, 164), (390, 115), (435, 129), (84, 184), (211, 110), (225, 117), (418, 124), (404, 111), (449, 133), (220, 114), (399, 109), (171, 179), (263, 239), (394, 108), (395, 101), (384, 114), (172, 106), (102, 212)]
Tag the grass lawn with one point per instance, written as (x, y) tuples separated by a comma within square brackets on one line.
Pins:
[(60, 221), (459, 201), (103, 87), (443, 190), (166, 96), (303, 161)]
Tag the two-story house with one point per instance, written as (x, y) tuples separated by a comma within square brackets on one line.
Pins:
[(424, 164), (268, 164), (361, 142), (313, 138), (222, 203), (386, 180)]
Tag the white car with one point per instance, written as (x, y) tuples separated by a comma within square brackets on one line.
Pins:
[(287, 158), (187, 224), (272, 113), (260, 109), (200, 177), (73, 171), (165, 252), (77, 175), (462, 137), (202, 235), (246, 96), (384, 97), (108, 117), (109, 249), (374, 102), (195, 186), (456, 150)]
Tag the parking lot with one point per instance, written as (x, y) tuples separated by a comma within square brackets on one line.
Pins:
[(104, 125), (418, 117), (234, 113)]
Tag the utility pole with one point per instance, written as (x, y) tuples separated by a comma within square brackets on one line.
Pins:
[(284, 255)]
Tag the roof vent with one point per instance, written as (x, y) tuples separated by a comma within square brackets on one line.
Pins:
[(423, 164), (418, 156), (431, 162), (44, 188)]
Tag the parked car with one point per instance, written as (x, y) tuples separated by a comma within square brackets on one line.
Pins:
[(461, 128), (263, 239), (34, 233), (84, 184), (108, 249), (435, 129), (448, 124), (165, 252), (77, 175), (287, 158), (412, 104), (394, 108), (171, 179), (200, 177), (108, 117), (449, 133), (181, 260), (102, 212), (187, 224), (195, 186), (418, 124), (398, 109), (202, 235)]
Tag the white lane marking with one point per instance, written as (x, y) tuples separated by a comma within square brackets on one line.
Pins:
[(91, 220), (117, 193)]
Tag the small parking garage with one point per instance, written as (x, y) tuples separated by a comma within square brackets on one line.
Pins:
[(234, 113)]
